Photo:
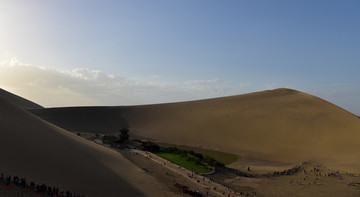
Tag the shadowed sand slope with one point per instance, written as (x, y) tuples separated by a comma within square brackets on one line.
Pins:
[(19, 101), (89, 119), (41, 152), (282, 125)]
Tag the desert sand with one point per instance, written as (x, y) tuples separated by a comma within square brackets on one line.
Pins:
[(282, 127), (39, 151), (311, 179), (270, 131)]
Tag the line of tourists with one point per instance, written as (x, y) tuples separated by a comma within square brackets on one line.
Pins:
[(290, 171), (41, 189)]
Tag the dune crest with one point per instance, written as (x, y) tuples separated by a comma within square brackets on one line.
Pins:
[(280, 125), (19, 101)]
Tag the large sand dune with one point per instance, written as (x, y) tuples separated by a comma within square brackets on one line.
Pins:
[(41, 152), (19, 101), (278, 125)]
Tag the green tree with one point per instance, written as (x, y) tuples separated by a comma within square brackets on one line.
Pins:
[(124, 134), (97, 135)]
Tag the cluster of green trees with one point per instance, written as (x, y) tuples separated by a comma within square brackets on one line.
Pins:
[(197, 157), (122, 137)]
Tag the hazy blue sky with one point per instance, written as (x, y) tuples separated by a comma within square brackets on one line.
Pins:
[(133, 52)]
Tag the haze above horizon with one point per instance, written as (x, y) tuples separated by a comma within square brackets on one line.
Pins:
[(67, 53)]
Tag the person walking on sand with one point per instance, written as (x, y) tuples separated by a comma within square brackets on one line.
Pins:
[(7, 182), (2, 178)]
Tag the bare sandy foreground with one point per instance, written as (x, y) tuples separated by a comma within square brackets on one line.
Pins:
[(270, 131), (313, 179), (38, 151), (280, 126)]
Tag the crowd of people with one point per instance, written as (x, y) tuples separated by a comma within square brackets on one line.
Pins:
[(290, 171), (41, 189)]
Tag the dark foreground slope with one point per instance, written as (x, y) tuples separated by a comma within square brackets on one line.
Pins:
[(36, 150), (19, 101), (282, 125)]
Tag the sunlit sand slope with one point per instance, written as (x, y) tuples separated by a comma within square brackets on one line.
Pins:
[(281, 125)]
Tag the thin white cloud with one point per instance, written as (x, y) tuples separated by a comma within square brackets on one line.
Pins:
[(78, 87)]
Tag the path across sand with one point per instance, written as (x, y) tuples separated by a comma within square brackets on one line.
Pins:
[(200, 180)]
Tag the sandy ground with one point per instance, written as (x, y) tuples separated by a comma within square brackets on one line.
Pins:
[(36, 150), (304, 183), (269, 130), (260, 165), (313, 179), (280, 125)]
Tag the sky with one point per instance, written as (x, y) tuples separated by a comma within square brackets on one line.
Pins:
[(76, 53)]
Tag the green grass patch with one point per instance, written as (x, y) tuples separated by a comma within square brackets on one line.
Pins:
[(225, 158), (186, 161)]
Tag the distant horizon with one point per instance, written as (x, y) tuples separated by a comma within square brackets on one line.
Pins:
[(169, 102), (66, 53)]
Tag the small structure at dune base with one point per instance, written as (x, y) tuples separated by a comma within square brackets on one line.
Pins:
[(180, 188)]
